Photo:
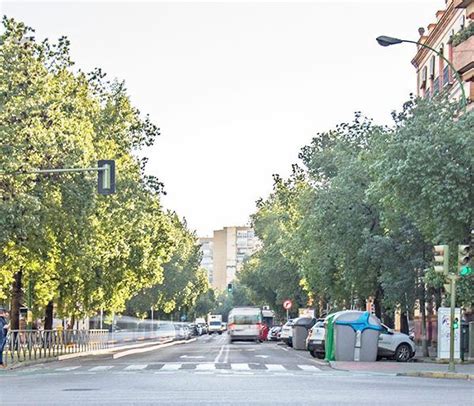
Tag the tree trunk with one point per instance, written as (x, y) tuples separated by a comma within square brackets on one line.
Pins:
[(424, 341), (17, 299), (48, 316), (378, 302)]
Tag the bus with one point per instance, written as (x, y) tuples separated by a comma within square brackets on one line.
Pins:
[(245, 324)]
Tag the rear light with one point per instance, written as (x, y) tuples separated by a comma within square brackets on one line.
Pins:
[(231, 326)]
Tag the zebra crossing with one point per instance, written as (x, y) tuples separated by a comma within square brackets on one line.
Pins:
[(202, 367)]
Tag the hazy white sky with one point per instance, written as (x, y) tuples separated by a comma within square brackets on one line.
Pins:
[(238, 88)]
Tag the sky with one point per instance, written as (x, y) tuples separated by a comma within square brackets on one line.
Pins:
[(238, 88)]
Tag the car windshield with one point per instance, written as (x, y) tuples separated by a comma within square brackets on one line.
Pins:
[(236, 202)]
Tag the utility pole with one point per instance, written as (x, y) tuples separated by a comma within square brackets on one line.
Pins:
[(452, 284)]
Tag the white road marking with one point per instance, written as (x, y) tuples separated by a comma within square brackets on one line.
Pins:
[(261, 356), (205, 367), (136, 367), (216, 360), (275, 367), (65, 369), (240, 367), (226, 356), (101, 368), (171, 367), (311, 368), (192, 356)]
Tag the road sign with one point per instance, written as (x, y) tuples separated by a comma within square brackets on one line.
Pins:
[(287, 304)]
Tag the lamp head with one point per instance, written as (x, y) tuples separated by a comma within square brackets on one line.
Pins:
[(387, 41)]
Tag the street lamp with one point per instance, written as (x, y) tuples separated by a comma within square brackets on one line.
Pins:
[(386, 41)]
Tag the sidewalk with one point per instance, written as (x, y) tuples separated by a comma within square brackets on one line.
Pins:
[(422, 369)]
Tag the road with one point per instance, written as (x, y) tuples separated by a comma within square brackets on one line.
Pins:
[(212, 371)]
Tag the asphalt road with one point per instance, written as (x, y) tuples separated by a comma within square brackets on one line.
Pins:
[(212, 371)]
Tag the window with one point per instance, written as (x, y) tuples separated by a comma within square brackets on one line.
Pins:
[(436, 86), (424, 77), (446, 76), (432, 66)]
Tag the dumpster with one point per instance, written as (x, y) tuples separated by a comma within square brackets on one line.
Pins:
[(354, 336), (464, 340), (300, 331)]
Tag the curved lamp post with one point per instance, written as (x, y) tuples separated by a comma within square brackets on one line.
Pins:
[(386, 41)]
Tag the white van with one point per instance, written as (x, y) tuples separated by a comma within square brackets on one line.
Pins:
[(214, 321), (244, 323)]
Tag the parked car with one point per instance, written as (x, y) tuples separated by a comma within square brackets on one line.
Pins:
[(286, 334), (315, 340), (273, 334), (391, 345), (395, 345)]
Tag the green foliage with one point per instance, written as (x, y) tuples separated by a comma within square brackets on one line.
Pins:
[(374, 201), (273, 273), (81, 250), (463, 34)]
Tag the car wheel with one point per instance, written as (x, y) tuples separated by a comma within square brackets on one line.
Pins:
[(313, 354), (403, 353)]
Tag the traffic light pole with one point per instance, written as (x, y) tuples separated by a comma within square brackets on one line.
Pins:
[(451, 367)]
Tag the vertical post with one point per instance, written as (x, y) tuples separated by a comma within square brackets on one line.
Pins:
[(152, 321), (451, 367), (287, 315), (101, 317), (29, 314)]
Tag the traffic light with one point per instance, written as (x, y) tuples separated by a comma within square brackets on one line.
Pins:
[(230, 288), (441, 259), (106, 177), (456, 323), (464, 260)]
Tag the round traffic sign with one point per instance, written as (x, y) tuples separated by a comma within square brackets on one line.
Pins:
[(287, 304)]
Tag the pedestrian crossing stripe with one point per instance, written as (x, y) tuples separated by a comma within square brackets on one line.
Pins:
[(101, 368), (205, 366), (136, 367), (275, 367), (66, 369)]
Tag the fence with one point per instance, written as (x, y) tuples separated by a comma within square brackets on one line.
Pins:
[(25, 345)]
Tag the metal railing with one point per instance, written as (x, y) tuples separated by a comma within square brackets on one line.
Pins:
[(25, 345)]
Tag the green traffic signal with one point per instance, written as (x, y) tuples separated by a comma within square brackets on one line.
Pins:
[(229, 287), (464, 260), (456, 323), (466, 270)]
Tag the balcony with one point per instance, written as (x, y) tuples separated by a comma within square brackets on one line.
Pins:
[(463, 59)]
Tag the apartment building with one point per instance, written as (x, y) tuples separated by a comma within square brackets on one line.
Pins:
[(225, 252), (450, 36)]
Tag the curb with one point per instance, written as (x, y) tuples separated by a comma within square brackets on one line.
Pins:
[(439, 375)]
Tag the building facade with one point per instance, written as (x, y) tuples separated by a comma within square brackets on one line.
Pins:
[(450, 36), (207, 249), (225, 252)]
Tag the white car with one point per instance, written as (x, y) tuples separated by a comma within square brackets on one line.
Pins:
[(395, 345), (286, 334)]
